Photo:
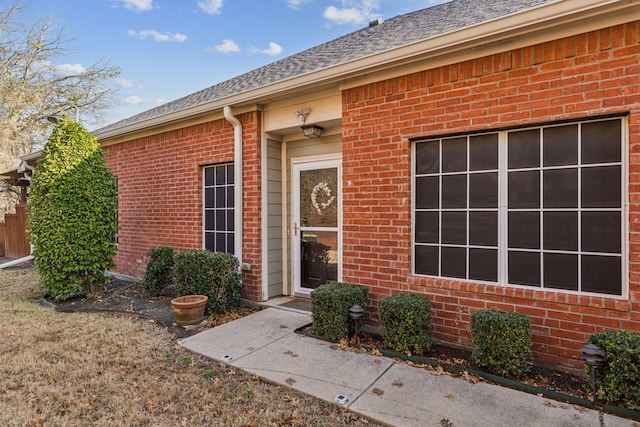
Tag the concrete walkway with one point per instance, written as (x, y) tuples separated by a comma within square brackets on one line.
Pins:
[(397, 394)]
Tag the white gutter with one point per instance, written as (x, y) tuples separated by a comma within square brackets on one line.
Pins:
[(237, 179)]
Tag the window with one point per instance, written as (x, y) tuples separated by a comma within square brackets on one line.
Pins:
[(540, 207), (219, 208)]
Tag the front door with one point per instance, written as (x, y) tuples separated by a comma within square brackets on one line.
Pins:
[(316, 239)]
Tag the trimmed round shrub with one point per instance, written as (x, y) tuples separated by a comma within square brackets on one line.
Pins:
[(330, 304), (619, 379), (502, 341), (72, 213), (214, 274), (406, 322), (157, 275)]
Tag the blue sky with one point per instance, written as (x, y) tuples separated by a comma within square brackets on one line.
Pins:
[(171, 48)]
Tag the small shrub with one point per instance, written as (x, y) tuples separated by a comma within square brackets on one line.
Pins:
[(619, 379), (502, 341), (158, 273), (214, 274), (406, 322), (330, 304)]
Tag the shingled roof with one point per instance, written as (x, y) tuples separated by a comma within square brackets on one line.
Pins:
[(393, 33)]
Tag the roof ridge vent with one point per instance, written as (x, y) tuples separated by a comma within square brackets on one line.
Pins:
[(375, 22)]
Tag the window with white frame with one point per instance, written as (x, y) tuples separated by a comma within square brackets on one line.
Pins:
[(540, 207), (219, 208)]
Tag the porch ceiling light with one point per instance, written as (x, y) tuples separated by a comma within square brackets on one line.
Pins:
[(312, 131)]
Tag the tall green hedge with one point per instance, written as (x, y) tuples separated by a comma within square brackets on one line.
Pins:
[(72, 212)]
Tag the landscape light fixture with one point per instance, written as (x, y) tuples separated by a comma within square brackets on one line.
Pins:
[(594, 357), (356, 314)]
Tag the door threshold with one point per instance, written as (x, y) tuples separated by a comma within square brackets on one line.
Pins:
[(300, 305)]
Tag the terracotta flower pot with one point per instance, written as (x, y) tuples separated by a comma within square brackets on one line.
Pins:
[(189, 309)]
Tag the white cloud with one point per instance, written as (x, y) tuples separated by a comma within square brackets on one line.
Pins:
[(138, 5), (132, 100), (124, 83), (157, 36), (227, 46), (211, 7), (353, 12), (70, 69), (295, 4), (273, 50)]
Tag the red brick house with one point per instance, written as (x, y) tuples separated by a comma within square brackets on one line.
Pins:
[(484, 156)]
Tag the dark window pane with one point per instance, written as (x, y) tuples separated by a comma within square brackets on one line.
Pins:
[(427, 192), (428, 157), (454, 155), (221, 193), (427, 260), (454, 191), (454, 262), (602, 274), (230, 175), (524, 268), (209, 241), (601, 232), (209, 220), (209, 178), (230, 220), (454, 228), (483, 264), (230, 198), (483, 228), (561, 271), (560, 145), (221, 176), (427, 227), (210, 197), (483, 152), (221, 240), (220, 220), (483, 190), (601, 187), (602, 142), (524, 149), (524, 230), (524, 190), (560, 230), (230, 247), (560, 188)]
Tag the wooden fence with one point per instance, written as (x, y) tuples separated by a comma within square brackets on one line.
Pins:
[(16, 240)]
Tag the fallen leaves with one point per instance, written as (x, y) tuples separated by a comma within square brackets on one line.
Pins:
[(397, 383), (472, 379), (378, 391), (290, 353), (290, 381)]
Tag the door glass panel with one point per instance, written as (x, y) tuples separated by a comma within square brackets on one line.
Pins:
[(319, 258), (318, 198)]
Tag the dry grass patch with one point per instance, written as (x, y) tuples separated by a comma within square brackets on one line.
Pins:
[(92, 369)]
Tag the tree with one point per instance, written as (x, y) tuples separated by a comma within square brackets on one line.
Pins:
[(72, 213), (33, 87)]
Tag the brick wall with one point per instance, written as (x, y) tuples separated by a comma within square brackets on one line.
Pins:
[(575, 77), (160, 192)]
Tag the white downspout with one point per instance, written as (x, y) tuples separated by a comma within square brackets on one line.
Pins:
[(237, 179)]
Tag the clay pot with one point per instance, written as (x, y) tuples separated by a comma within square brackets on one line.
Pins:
[(189, 309)]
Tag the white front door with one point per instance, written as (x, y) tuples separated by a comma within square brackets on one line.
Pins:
[(316, 238)]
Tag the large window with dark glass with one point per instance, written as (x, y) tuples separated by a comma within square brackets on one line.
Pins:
[(219, 208), (540, 207)]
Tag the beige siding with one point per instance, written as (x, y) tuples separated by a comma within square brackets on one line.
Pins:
[(274, 218)]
